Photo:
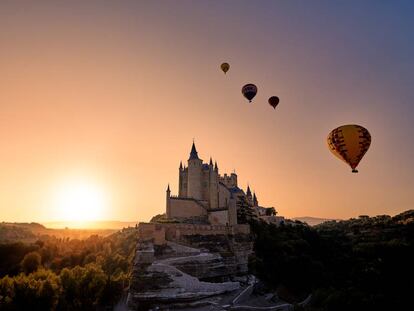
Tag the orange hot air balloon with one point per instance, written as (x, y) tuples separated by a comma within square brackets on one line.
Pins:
[(225, 67), (273, 101), (349, 143)]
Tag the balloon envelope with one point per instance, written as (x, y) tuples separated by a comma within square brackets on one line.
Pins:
[(249, 91), (225, 67), (273, 101), (349, 143)]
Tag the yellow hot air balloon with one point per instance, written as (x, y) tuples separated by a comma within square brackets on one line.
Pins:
[(225, 67), (349, 143)]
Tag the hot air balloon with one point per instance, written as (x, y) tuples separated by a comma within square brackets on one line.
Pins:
[(349, 143), (249, 91), (273, 101), (225, 67)]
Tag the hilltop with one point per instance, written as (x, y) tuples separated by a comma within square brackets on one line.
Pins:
[(314, 221), (30, 232)]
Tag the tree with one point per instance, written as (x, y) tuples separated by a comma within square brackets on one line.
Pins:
[(31, 262), (271, 211), (245, 214)]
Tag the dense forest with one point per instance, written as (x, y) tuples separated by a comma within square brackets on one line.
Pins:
[(66, 274), (358, 264)]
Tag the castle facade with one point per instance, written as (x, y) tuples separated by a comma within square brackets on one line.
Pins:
[(205, 196)]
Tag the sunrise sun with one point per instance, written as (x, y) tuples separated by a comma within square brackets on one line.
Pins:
[(80, 201)]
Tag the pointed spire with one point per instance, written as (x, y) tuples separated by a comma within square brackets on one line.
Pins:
[(255, 202), (193, 153), (215, 165), (211, 161), (168, 188), (181, 165), (248, 193)]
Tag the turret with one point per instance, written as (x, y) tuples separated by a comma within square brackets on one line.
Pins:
[(213, 186), (249, 196), (233, 178), (194, 175), (232, 210), (168, 203), (248, 192), (255, 202), (182, 181)]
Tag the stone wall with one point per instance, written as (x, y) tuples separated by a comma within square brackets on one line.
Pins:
[(160, 233), (185, 208), (219, 217)]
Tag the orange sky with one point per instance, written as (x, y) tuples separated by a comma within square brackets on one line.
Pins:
[(113, 94)]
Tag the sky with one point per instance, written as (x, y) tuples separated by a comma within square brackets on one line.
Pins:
[(111, 94)]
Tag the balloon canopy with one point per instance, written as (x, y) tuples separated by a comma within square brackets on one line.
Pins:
[(349, 143), (225, 67), (273, 101), (249, 91)]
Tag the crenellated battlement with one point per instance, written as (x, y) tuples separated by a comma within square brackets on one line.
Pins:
[(229, 181)]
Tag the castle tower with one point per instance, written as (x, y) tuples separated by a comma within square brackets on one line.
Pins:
[(168, 201), (232, 214), (233, 178), (213, 183), (182, 181), (255, 201), (249, 195), (194, 175)]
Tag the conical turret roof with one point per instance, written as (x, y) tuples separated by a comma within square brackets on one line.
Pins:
[(248, 193), (193, 153)]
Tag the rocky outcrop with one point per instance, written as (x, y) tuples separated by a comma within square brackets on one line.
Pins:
[(187, 271), (166, 281)]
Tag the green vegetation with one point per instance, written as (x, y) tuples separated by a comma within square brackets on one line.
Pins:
[(358, 264), (245, 214), (66, 274)]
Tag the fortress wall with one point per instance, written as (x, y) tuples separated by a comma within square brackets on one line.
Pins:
[(149, 231), (205, 185), (218, 217), (224, 196), (185, 209), (173, 231)]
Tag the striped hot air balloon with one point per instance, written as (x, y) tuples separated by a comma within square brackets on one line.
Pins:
[(349, 143)]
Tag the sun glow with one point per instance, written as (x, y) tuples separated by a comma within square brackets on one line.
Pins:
[(80, 201)]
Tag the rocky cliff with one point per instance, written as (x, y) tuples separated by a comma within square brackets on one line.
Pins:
[(188, 271)]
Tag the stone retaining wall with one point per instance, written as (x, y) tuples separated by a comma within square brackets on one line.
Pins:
[(160, 233)]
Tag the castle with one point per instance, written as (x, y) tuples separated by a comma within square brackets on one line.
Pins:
[(204, 196), (197, 249)]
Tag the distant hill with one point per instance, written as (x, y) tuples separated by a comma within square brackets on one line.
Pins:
[(105, 224), (313, 221), (30, 232)]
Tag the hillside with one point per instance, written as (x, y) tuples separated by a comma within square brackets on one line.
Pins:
[(363, 263), (105, 224), (66, 274), (30, 232)]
